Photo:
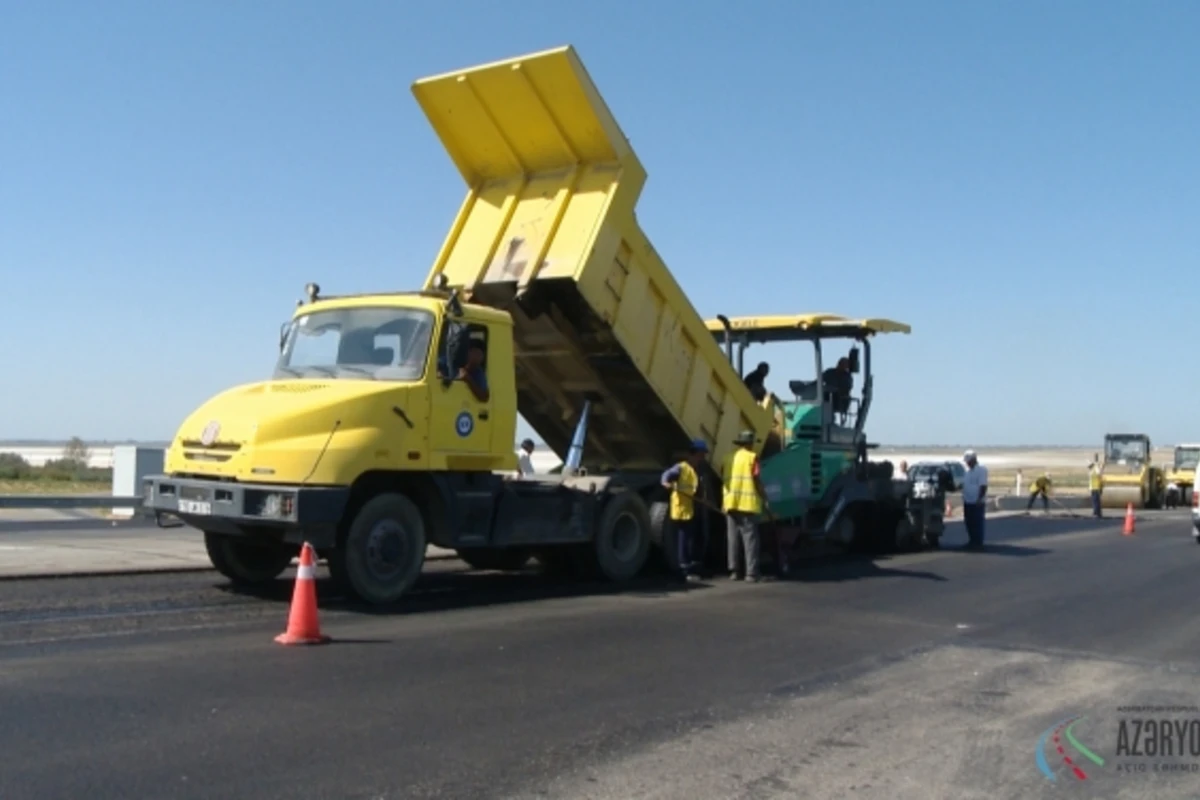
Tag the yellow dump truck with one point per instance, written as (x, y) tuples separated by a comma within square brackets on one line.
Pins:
[(390, 416), (1127, 474), (1182, 472)]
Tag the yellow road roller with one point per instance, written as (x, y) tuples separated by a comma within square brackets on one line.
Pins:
[(1183, 472), (1128, 475)]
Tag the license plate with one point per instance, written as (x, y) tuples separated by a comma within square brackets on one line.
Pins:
[(194, 507)]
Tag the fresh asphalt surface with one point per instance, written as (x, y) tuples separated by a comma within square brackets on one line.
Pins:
[(488, 685)]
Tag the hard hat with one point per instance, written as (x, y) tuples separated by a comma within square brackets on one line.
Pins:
[(699, 446), (969, 454), (745, 437)]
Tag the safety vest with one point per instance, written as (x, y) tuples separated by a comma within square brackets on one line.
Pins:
[(1094, 480), (682, 506), (1041, 484), (740, 494)]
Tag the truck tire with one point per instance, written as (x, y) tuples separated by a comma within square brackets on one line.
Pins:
[(849, 533), (245, 561), (622, 542), (906, 538), (381, 553), (507, 559), (663, 537)]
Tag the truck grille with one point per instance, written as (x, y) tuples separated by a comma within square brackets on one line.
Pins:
[(218, 452)]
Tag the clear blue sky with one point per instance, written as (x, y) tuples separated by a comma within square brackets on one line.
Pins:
[(1019, 181)]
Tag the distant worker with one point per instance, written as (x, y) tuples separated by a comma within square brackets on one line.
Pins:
[(1173, 496), (1095, 486), (1040, 487), (745, 500), (684, 482), (756, 381), (1017, 491), (525, 458), (974, 496)]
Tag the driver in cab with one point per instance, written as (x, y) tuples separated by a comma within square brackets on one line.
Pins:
[(472, 372)]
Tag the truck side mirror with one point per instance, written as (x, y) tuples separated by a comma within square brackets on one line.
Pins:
[(454, 349)]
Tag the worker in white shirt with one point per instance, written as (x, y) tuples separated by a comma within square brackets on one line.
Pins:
[(974, 495), (524, 460)]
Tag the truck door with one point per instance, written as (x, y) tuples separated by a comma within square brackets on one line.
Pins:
[(461, 421)]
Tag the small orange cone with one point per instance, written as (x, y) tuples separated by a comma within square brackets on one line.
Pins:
[(1128, 531), (303, 626)]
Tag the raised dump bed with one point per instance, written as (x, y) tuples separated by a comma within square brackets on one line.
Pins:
[(548, 233)]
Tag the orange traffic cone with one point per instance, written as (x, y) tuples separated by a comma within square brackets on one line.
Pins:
[(1128, 531), (303, 627)]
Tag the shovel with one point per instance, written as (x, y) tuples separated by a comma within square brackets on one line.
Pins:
[(1063, 506)]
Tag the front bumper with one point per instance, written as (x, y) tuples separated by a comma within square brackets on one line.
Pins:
[(293, 514)]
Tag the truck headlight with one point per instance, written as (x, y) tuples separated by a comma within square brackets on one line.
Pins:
[(278, 505)]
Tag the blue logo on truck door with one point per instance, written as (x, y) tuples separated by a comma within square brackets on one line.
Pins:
[(464, 424)]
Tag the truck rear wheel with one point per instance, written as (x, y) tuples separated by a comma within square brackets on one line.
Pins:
[(245, 561), (663, 536), (622, 542), (381, 554)]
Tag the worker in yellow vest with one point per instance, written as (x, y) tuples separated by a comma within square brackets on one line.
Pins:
[(684, 481), (1041, 487), (1095, 485), (745, 500)]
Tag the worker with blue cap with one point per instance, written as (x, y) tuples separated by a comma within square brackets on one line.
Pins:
[(683, 480)]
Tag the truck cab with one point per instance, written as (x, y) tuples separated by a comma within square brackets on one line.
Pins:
[(361, 383)]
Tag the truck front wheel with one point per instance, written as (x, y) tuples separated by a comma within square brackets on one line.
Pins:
[(622, 542), (245, 561), (381, 554)]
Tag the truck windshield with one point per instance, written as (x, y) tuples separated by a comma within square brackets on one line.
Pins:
[(1187, 458), (363, 343), (1125, 450)]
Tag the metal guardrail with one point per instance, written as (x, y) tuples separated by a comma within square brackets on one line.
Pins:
[(68, 501)]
